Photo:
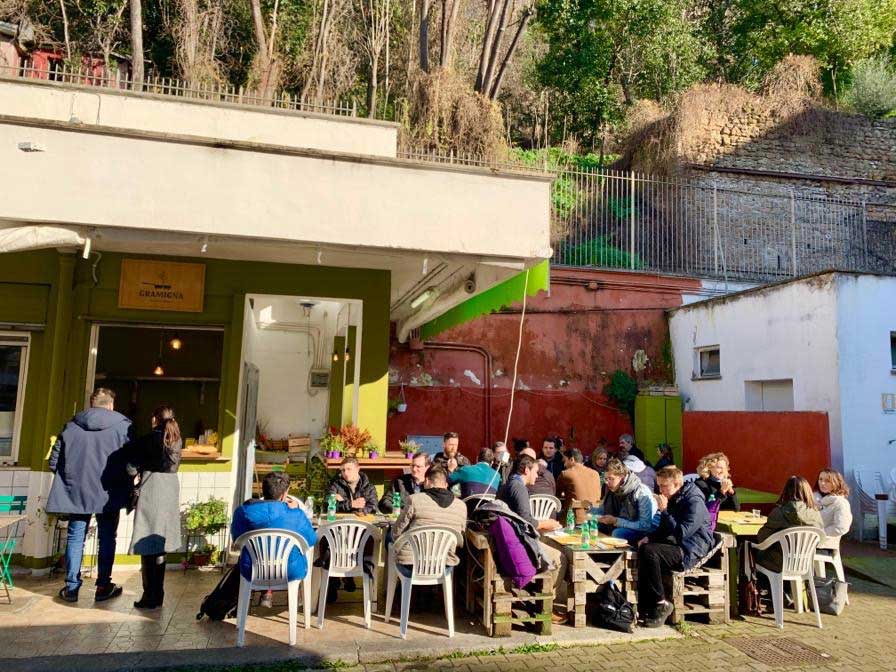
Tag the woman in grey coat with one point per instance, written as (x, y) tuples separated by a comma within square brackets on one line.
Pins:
[(154, 458)]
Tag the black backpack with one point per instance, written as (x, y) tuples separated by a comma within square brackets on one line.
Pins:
[(221, 602), (613, 611)]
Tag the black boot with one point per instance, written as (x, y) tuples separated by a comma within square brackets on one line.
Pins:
[(153, 574)]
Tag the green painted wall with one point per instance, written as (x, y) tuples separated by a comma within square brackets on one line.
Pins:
[(61, 288)]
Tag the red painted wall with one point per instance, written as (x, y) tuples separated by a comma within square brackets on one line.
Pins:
[(572, 341), (765, 448)]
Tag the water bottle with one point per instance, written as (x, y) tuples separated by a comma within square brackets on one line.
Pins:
[(570, 521), (586, 535), (331, 508), (396, 504), (309, 507)]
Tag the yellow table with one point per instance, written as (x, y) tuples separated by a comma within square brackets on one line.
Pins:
[(744, 527)]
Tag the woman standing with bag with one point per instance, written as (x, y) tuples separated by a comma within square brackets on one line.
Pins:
[(155, 458)]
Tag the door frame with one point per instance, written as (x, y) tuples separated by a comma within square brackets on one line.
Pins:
[(22, 340)]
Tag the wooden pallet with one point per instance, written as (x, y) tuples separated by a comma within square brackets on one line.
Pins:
[(498, 603), (703, 590)]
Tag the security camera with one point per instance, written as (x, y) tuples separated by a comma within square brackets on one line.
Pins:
[(470, 285)]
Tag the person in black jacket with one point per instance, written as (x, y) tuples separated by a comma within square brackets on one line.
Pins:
[(354, 491), (552, 454), (715, 481), (406, 484), (154, 459), (681, 539)]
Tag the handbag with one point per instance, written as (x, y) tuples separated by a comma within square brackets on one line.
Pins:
[(748, 601), (134, 494), (613, 611), (832, 595)]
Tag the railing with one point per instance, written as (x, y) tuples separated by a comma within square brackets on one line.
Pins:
[(97, 75), (626, 220)]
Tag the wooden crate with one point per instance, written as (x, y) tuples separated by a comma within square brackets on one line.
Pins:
[(496, 601), (703, 591)]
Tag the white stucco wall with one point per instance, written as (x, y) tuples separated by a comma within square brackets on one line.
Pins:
[(168, 114), (154, 183), (784, 332), (866, 314)]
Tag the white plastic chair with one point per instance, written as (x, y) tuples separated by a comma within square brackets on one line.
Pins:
[(829, 554), (430, 545), (485, 496), (346, 540), (543, 507), (869, 504), (798, 545), (269, 551)]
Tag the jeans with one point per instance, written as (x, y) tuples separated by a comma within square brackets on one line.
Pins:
[(107, 529), (655, 560)]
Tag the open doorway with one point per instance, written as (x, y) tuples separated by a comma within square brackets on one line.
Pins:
[(301, 364), (147, 366)]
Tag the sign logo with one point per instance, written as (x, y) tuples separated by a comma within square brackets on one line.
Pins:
[(161, 285)]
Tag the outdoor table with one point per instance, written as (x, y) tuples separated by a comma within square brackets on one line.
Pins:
[(744, 527), (590, 568)]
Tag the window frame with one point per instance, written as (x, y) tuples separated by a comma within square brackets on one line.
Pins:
[(22, 340), (893, 352), (698, 373)]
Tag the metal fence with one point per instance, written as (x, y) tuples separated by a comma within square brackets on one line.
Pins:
[(627, 220)]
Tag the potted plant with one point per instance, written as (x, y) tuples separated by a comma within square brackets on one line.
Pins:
[(201, 519), (331, 445), (409, 448), (207, 554), (372, 450)]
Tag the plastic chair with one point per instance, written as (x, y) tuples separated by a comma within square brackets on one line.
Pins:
[(485, 496), (798, 545), (543, 507), (7, 548), (346, 540), (430, 545), (868, 503), (269, 551), (829, 554)]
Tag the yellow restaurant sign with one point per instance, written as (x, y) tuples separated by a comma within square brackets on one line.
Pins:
[(161, 285)]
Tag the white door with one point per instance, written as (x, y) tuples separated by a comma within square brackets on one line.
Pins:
[(248, 421), (13, 370)]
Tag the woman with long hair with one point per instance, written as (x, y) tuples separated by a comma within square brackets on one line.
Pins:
[(154, 460), (795, 508), (831, 496)]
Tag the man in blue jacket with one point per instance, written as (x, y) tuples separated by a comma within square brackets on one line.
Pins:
[(91, 480), (682, 537), (273, 512), (479, 478)]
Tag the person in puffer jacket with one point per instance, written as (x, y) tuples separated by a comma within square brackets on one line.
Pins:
[(273, 512), (796, 508), (681, 539)]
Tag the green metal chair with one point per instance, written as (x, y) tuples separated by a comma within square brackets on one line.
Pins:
[(12, 504), (9, 504)]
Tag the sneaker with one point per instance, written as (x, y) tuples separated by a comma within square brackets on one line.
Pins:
[(663, 611), (67, 595), (266, 601), (104, 593)]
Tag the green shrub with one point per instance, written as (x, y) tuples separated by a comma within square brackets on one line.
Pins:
[(597, 252), (622, 390), (873, 89)]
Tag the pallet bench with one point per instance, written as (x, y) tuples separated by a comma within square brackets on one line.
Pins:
[(703, 590)]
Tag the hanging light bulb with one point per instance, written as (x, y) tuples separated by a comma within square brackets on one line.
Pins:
[(159, 370), (335, 356), (348, 354), (176, 343)]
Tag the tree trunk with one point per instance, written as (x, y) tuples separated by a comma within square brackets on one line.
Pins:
[(137, 45), (424, 35), (68, 43), (501, 25), (372, 83), (487, 38), (499, 78), (449, 24)]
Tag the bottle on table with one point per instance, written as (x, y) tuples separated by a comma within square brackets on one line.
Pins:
[(570, 521), (331, 508), (586, 535), (396, 504)]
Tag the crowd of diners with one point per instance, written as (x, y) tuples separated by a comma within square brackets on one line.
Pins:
[(668, 518)]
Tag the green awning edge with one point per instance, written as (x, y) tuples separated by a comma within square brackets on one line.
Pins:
[(500, 296)]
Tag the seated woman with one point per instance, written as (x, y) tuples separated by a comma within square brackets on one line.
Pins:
[(628, 510), (715, 481), (831, 493), (796, 507)]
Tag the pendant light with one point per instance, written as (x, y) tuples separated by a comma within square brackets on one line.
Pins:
[(160, 369), (348, 354), (175, 342)]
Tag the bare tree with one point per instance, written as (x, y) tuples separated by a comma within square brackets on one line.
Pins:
[(375, 17), (198, 30), (494, 57), (328, 15), (449, 24), (68, 42), (266, 66), (106, 29), (136, 44)]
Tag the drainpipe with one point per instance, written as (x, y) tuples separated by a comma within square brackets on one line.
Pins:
[(486, 355)]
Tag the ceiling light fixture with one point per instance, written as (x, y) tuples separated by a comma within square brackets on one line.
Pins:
[(160, 369)]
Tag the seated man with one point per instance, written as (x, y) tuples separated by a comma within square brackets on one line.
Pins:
[(354, 491), (628, 509), (551, 453), (273, 512), (436, 505), (406, 484), (450, 457), (503, 465), (479, 478), (577, 483), (680, 540), (515, 494), (544, 481)]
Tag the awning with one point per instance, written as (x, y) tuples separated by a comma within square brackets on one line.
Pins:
[(531, 281)]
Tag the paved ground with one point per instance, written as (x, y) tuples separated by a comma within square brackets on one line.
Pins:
[(37, 633)]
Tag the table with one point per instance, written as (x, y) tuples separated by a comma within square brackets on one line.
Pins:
[(743, 527), (9, 519), (593, 567)]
